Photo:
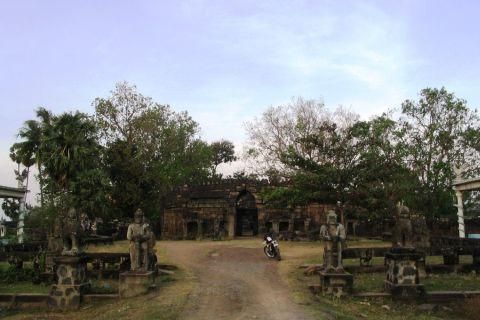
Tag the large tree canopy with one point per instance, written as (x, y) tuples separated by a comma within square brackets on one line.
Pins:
[(291, 128), (332, 156), (149, 149), (133, 151), (442, 134)]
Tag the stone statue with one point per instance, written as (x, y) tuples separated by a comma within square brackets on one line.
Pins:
[(70, 233), (333, 234), (140, 236), (152, 257), (403, 235)]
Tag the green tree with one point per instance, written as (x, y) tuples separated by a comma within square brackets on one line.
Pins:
[(223, 151), (293, 128), (442, 133), (28, 151), (66, 150), (70, 147), (11, 208), (150, 149)]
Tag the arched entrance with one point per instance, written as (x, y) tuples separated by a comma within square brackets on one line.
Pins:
[(246, 223)]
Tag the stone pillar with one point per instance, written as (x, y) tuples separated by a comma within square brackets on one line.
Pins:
[(231, 222), (72, 282), (276, 226), (461, 223), (402, 272), (21, 218), (216, 228), (199, 228), (307, 225), (185, 229), (290, 225)]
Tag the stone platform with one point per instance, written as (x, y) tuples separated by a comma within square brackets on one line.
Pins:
[(72, 282), (135, 283), (336, 283), (402, 272)]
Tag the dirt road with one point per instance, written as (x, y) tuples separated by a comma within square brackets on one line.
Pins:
[(234, 283)]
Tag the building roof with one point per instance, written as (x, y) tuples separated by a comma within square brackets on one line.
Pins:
[(9, 192), (467, 184)]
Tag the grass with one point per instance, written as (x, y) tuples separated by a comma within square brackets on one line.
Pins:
[(23, 287), (169, 300), (164, 303), (324, 307)]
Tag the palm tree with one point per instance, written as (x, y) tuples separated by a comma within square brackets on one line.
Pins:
[(28, 152), (24, 152), (69, 147)]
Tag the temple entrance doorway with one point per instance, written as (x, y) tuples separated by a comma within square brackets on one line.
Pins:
[(246, 223), (192, 230)]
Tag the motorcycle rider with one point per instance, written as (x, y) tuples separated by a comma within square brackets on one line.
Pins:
[(271, 233)]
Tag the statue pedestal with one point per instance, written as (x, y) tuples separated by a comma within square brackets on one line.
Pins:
[(134, 283), (71, 284), (402, 272), (336, 283)]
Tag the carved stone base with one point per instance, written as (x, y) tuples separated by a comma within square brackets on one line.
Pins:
[(405, 290), (133, 283), (71, 282), (338, 284), (402, 267)]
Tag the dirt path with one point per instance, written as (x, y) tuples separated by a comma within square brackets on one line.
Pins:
[(234, 283)]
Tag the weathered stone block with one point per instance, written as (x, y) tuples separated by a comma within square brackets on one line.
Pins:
[(338, 284), (402, 267), (132, 283)]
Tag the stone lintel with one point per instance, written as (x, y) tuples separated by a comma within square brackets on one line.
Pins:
[(70, 260)]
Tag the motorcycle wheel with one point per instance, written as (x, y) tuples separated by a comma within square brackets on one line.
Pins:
[(279, 257), (268, 253)]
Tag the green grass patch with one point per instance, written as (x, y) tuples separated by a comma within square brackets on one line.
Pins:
[(24, 287)]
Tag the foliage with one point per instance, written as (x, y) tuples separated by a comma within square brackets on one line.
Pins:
[(367, 165), (41, 218), (91, 190), (13, 274), (443, 133), (243, 175), (223, 151), (70, 147), (149, 149), (66, 150), (11, 208), (289, 129), (28, 151)]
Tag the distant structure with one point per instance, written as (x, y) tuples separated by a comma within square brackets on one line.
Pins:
[(235, 208), (461, 185), (16, 193)]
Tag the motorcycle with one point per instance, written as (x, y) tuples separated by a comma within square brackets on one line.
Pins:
[(271, 248)]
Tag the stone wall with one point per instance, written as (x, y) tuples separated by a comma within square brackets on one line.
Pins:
[(234, 208)]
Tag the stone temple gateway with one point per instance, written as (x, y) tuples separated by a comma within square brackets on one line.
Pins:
[(234, 208)]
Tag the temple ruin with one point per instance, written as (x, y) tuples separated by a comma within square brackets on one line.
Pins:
[(234, 208)]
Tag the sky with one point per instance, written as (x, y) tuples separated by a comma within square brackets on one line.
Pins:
[(225, 62)]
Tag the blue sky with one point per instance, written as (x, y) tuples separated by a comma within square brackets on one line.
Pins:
[(227, 61)]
